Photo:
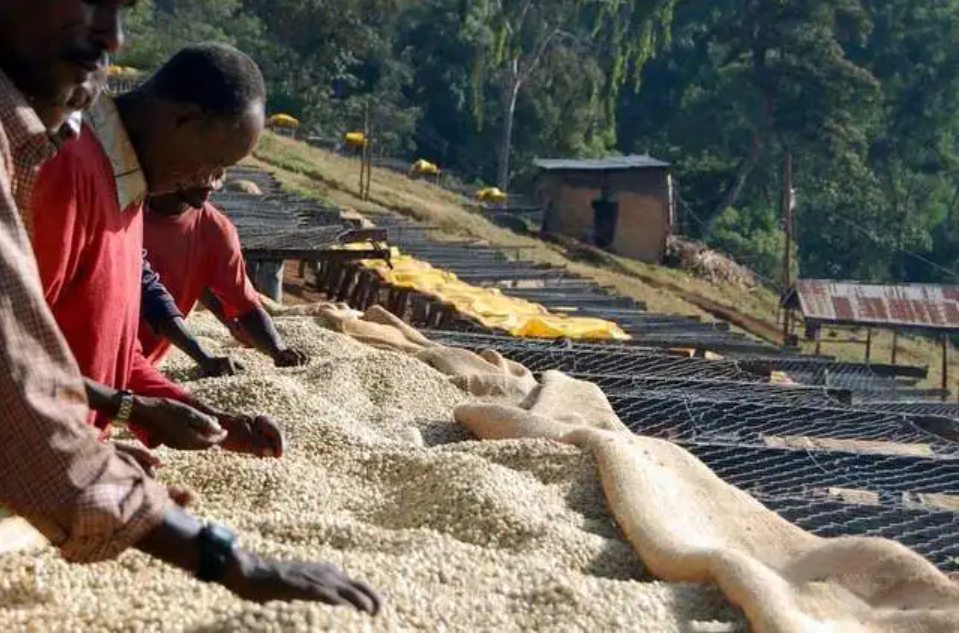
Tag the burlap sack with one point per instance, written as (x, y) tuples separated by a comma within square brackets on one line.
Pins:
[(688, 525), (377, 327), (485, 374)]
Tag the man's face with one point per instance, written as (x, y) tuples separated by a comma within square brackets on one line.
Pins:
[(51, 48), (81, 98), (199, 150)]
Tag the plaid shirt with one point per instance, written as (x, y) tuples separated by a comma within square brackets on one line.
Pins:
[(88, 500)]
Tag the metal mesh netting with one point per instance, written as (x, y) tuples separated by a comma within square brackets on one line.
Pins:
[(264, 181), (797, 483), (633, 364), (838, 374), (745, 422), (947, 409), (932, 533), (281, 223), (303, 238), (596, 358), (802, 473), (480, 340), (713, 389)]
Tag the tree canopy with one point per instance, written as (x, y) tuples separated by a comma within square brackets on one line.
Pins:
[(863, 94)]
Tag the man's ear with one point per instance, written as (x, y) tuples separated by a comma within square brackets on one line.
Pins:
[(187, 114)]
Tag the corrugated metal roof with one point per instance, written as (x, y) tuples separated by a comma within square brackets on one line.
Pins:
[(611, 163), (904, 305)]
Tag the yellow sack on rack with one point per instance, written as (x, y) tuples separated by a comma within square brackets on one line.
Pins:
[(491, 194), (284, 120), (488, 305)]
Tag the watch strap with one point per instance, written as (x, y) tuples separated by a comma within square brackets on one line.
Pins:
[(125, 409), (215, 550)]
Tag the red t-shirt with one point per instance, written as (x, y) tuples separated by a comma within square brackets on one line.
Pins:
[(89, 254), (195, 250)]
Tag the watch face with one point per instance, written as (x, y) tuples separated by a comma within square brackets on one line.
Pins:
[(222, 534)]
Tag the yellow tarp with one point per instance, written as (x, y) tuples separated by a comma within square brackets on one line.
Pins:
[(491, 194), (422, 166), (284, 120), (355, 139), (488, 305)]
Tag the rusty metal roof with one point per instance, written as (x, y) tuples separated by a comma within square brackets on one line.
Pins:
[(897, 305), (611, 163)]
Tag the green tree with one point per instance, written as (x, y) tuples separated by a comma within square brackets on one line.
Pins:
[(515, 36)]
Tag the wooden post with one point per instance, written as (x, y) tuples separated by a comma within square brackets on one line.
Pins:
[(945, 367), (367, 153), (868, 346), (788, 221), (818, 341), (366, 142), (370, 163), (895, 345)]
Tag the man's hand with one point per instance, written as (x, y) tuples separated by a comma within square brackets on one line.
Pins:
[(261, 580), (150, 463), (255, 435), (214, 366), (290, 357), (147, 461), (181, 496), (176, 424)]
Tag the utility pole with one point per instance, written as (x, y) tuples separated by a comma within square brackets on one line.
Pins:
[(788, 204)]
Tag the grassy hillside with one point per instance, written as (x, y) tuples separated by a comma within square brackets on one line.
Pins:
[(326, 175)]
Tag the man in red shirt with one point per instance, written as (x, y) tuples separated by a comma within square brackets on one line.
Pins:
[(199, 113), (194, 247)]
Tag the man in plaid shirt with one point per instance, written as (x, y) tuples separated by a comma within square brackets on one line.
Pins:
[(89, 500)]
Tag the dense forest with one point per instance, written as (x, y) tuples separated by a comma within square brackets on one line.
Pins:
[(862, 94)]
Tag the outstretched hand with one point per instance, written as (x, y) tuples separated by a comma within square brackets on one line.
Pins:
[(216, 366), (290, 357), (262, 580), (255, 435), (175, 424)]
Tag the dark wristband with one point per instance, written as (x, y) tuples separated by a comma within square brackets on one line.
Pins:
[(216, 549)]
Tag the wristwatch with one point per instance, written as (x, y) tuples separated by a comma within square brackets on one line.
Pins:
[(216, 544), (125, 409)]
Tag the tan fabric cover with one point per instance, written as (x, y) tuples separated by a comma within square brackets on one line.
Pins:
[(688, 525), (484, 374), (578, 402), (244, 186), (377, 327)]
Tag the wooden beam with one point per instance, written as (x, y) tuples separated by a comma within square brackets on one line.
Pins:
[(945, 366)]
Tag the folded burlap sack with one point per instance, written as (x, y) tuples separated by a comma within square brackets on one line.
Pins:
[(485, 374), (376, 327)]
